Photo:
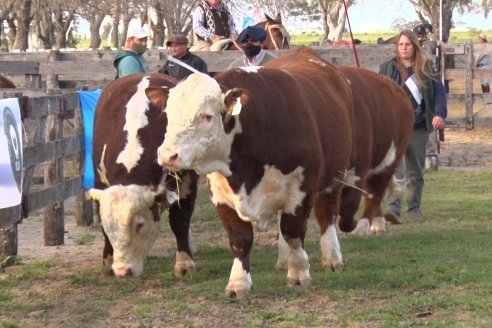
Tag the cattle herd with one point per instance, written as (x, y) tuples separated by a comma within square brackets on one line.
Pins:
[(273, 141)]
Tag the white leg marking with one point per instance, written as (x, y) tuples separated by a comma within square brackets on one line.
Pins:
[(378, 225), (298, 266), (331, 255), (239, 281), (283, 251), (184, 265), (362, 228)]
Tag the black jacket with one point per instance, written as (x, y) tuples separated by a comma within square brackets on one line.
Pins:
[(179, 72)]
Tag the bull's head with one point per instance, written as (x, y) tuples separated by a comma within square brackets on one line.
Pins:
[(130, 218), (201, 125)]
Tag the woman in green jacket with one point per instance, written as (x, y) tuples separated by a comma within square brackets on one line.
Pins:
[(413, 72)]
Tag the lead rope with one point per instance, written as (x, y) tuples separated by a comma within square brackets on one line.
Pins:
[(351, 35)]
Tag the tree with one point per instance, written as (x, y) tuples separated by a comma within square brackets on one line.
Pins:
[(428, 11)]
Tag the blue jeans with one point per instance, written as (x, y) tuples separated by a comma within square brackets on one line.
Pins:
[(410, 174)]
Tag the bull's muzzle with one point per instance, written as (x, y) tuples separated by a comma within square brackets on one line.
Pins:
[(168, 158)]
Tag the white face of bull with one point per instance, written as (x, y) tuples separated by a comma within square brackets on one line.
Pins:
[(195, 137), (128, 221)]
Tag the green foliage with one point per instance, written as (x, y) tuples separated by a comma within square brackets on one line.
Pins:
[(85, 238)]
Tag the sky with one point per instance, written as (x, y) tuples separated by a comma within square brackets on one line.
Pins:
[(379, 15)]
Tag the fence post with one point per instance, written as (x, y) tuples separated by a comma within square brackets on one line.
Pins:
[(469, 86), (83, 203), (53, 174), (9, 218), (52, 85)]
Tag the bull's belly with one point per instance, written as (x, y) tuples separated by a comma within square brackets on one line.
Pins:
[(274, 192)]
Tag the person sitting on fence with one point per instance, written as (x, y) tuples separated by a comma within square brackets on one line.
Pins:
[(179, 50), (484, 61), (251, 42), (213, 26), (129, 60)]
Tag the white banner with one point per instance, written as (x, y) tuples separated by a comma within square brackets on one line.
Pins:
[(10, 153)]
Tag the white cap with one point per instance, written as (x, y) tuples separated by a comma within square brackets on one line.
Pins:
[(138, 32)]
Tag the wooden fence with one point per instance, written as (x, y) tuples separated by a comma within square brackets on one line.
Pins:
[(47, 117), (53, 164)]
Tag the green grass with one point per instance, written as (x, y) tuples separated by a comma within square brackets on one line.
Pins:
[(434, 273)]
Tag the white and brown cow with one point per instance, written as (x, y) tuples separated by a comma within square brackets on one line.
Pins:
[(382, 126), (272, 142), (131, 188)]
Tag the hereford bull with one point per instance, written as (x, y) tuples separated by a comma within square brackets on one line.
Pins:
[(131, 188), (271, 141)]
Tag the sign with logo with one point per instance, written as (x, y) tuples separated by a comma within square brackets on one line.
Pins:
[(10, 153)]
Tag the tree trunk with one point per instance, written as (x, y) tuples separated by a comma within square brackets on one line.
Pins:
[(24, 21)]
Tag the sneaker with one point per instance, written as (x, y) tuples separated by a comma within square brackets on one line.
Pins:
[(415, 215), (392, 218)]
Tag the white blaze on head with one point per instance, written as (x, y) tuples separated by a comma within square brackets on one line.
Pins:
[(135, 119), (128, 221), (195, 130)]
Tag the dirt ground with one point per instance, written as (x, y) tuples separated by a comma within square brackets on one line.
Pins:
[(462, 149)]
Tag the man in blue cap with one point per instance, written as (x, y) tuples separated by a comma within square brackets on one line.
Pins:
[(251, 42)]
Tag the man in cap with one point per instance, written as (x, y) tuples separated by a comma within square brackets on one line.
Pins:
[(129, 60), (483, 61), (251, 42), (178, 43), (421, 33)]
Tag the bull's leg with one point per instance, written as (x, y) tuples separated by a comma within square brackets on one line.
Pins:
[(326, 210), (107, 256), (349, 205), (377, 185), (241, 241), (179, 219), (283, 249), (293, 229)]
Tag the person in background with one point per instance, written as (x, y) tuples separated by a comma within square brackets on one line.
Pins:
[(128, 59), (413, 72), (484, 61), (213, 26), (421, 33), (251, 42), (178, 43)]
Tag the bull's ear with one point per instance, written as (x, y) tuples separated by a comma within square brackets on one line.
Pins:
[(95, 194), (269, 19), (157, 96), (234, 99), (278, 17)]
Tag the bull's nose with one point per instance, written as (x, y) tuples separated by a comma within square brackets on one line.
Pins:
[(123, 273), (166, 156)]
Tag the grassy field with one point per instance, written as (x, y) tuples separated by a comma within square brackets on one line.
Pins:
[(434, 273)]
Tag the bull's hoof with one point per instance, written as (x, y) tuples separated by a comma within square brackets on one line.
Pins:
[(392, 218), (333, 266), (378, 225), (184, 265), (362, 228), (304, 283), (281, 265), (238, 291)]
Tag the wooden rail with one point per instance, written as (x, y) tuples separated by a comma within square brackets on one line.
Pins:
[(49, 151)]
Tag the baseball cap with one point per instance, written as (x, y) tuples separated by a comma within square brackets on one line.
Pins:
[(483, 36), (420, 29), (252, 32), (138, 32), (177, 38)]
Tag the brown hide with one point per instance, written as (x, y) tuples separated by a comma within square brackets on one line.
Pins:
[(5, 83), (382, 115), (297, 116), (108, 129)]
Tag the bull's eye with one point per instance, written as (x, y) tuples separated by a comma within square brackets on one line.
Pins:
[(139, 227), (206, 117)]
